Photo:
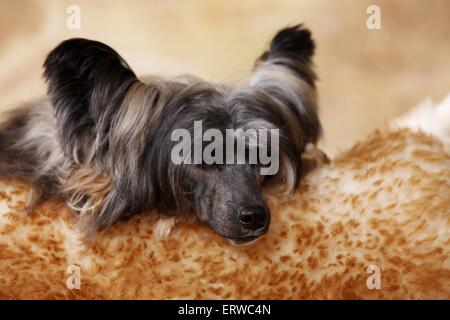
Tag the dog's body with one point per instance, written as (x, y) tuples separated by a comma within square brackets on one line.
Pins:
[(103, 139)]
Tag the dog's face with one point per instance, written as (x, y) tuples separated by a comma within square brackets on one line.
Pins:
[(224, 192), (113, 125), (228, 198)]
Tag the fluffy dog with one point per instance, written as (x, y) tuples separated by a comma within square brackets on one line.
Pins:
[(102, 139)]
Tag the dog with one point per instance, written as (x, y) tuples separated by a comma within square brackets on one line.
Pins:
[(101, 140)]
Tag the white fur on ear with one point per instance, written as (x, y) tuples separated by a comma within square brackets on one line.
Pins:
[(164, 226)]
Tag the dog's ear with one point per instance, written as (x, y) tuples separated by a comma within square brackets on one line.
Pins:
[(87, 82), (285, 72), (296, 41), (101, 113)]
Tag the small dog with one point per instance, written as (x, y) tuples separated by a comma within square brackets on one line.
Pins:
[(102, 139)]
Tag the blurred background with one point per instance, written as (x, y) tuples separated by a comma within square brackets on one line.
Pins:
[(367, 77)]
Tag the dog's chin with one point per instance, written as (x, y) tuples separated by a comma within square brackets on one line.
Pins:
[(243, 241)]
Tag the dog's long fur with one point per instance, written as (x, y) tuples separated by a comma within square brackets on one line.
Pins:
[(102, 139)]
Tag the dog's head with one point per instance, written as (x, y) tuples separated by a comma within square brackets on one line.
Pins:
[(135, 145)]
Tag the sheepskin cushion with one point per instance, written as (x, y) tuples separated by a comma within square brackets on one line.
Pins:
[(375, 223)]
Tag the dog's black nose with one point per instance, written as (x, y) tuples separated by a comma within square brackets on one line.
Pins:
[(253, 218)]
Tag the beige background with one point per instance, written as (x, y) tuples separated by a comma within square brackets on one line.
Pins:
[(366, 77)]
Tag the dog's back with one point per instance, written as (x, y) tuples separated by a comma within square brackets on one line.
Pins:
[(29, 149)]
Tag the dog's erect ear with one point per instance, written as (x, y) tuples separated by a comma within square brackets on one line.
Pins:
[(87, 82), (295, 40), (89, 85), (285, 73)]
